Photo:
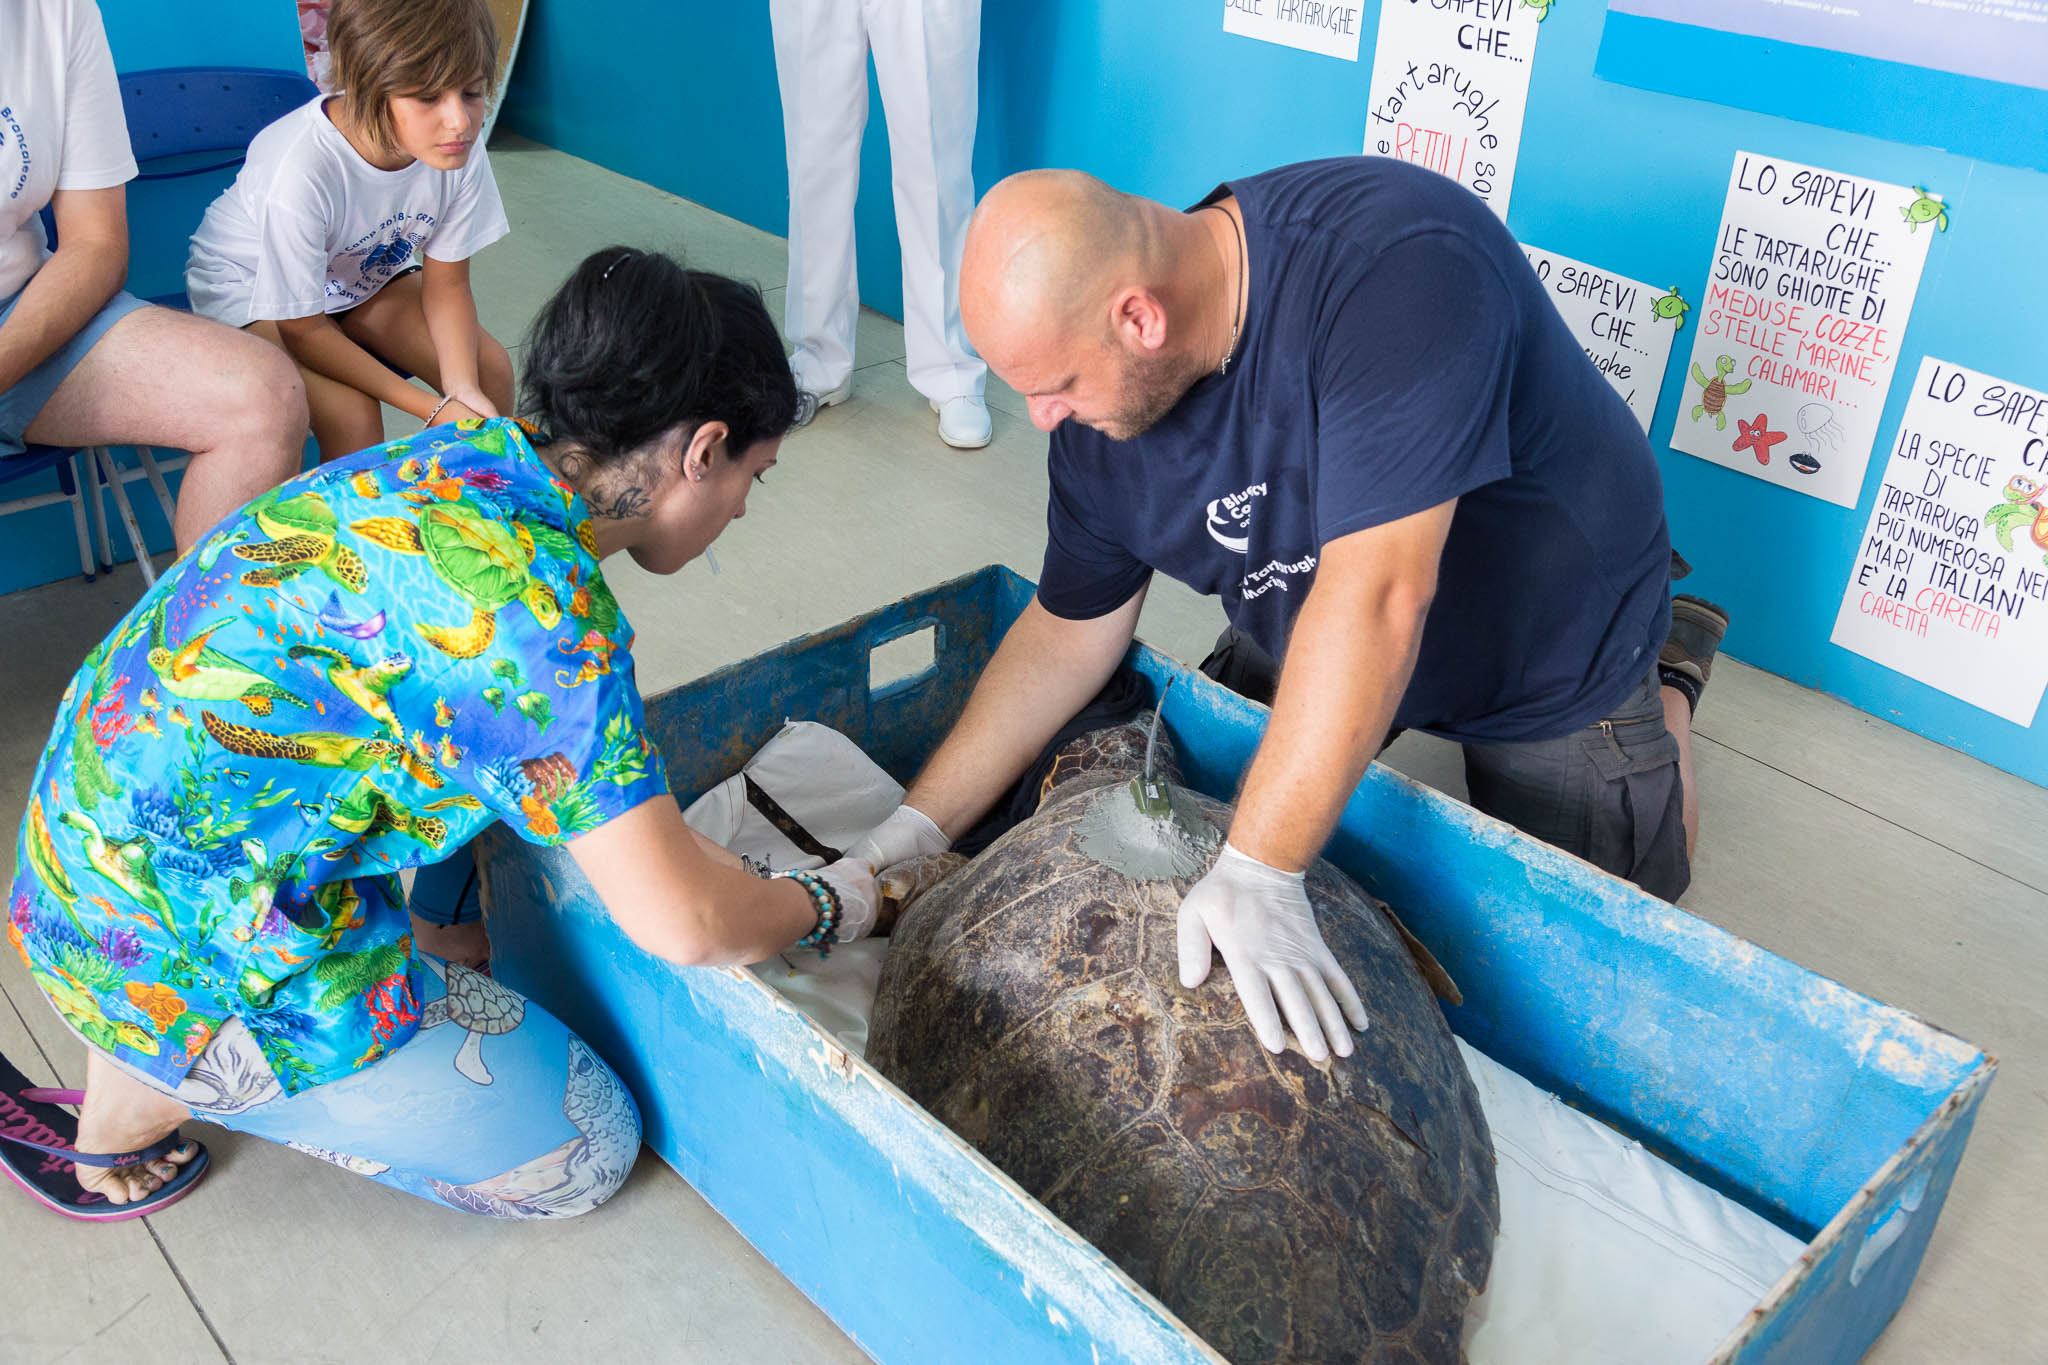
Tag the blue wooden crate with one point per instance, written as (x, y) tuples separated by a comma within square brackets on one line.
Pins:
[(1840, 1118)]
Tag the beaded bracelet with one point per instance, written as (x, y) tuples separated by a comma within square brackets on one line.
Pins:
[(825, 933)]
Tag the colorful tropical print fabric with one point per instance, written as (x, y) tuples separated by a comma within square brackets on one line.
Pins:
[(353, 675)]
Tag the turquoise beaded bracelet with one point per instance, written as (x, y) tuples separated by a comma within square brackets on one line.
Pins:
[(825, 933)]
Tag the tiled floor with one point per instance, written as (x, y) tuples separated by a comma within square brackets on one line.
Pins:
[(1897, 866)]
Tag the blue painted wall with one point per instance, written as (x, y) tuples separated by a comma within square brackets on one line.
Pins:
[(40, 546), (1156, 98)]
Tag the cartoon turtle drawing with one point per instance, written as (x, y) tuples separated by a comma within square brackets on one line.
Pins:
[(2020, 505), (1671, 305), (1542, 8), (1715, 392), (1928, 208), (477, 1003), (301, 530)]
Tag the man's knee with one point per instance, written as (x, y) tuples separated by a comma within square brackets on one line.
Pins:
[(272, 397)]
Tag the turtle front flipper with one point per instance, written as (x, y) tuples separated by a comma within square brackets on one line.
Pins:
[(254, 743), (271, 577), (466, 641), (300, 550), (398, 534)]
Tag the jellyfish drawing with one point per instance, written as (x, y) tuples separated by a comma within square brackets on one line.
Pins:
[(1817, 425)]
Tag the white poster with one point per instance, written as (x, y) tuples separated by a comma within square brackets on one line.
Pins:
[(1326, 26), (1625, 325), (1950, 580), (1813, 279), (1450, 83)]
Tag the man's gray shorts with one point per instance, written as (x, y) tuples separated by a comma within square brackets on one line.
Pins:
[(1609, 793)]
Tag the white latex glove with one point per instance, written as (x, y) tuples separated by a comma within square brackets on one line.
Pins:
[(907, 833), (1258, 917), (854, 884)]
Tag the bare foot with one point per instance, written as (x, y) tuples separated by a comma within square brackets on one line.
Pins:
[(121, 1114), (466, 945)]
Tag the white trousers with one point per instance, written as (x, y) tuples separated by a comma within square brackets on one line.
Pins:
[(925, 53)]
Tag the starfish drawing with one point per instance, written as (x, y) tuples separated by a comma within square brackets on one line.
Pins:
[(1758, 436)]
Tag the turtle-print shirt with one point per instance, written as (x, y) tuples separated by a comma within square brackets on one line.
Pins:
[(354, 674)]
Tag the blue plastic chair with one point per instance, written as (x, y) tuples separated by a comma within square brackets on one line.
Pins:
[(70, 486), (183, 121)]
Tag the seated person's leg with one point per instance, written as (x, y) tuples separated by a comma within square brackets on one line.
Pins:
[(493, 1107), (343, 420), (163, 378), (447, 913), (392, 325)]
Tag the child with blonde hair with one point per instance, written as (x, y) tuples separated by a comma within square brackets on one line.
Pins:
[(346, 237)]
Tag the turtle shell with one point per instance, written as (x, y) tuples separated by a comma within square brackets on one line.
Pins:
[(305, 514), (1287, 1212), (474, 554)]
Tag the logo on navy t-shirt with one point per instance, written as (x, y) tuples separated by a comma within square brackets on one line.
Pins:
[(1230, 518)]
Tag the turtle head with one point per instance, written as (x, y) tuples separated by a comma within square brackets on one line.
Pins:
[(1724, 365)]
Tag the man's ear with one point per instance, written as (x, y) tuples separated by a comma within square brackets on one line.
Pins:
[(705, 448), (1139, 319)]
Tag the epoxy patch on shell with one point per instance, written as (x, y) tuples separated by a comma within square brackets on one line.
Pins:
[(1146, 848)]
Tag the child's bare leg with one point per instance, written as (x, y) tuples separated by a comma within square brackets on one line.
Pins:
[(392, 323), (343, 419), (121, 1114)]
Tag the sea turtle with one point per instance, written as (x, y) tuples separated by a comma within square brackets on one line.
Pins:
[(1928, 208), (1714, 392), (474, 1002), (83, 1012), (483, 558), (2020, 505), (367, 685), (124, 862), (369, 811), (302, 536), (318, 749), (1671, 305), (1285, 1210), (1542, 8), (196, 671)]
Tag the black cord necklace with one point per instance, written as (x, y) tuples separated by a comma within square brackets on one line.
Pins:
[(1243, 285)]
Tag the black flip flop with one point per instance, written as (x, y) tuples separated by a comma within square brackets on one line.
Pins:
[(38, 1152)]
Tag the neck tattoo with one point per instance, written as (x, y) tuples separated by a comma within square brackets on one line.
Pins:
[(1238, 295)]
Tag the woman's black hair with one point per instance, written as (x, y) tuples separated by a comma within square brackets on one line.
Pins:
[(635, 344)]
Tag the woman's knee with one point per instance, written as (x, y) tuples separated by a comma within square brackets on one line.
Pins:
[(575, 1176)]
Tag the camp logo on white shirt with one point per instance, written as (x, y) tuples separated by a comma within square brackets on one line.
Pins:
[(367, 264), (1230, 518)]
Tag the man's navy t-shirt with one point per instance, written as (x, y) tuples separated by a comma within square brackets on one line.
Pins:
[(1397, 352)]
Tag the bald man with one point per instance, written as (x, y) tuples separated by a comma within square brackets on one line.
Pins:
[(1336, 396)]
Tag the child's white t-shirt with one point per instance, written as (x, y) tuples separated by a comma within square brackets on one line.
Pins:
[(61, 124), (310, 227)]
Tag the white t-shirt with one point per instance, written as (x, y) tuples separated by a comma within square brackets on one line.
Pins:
[(61, 125), (310, 227)]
